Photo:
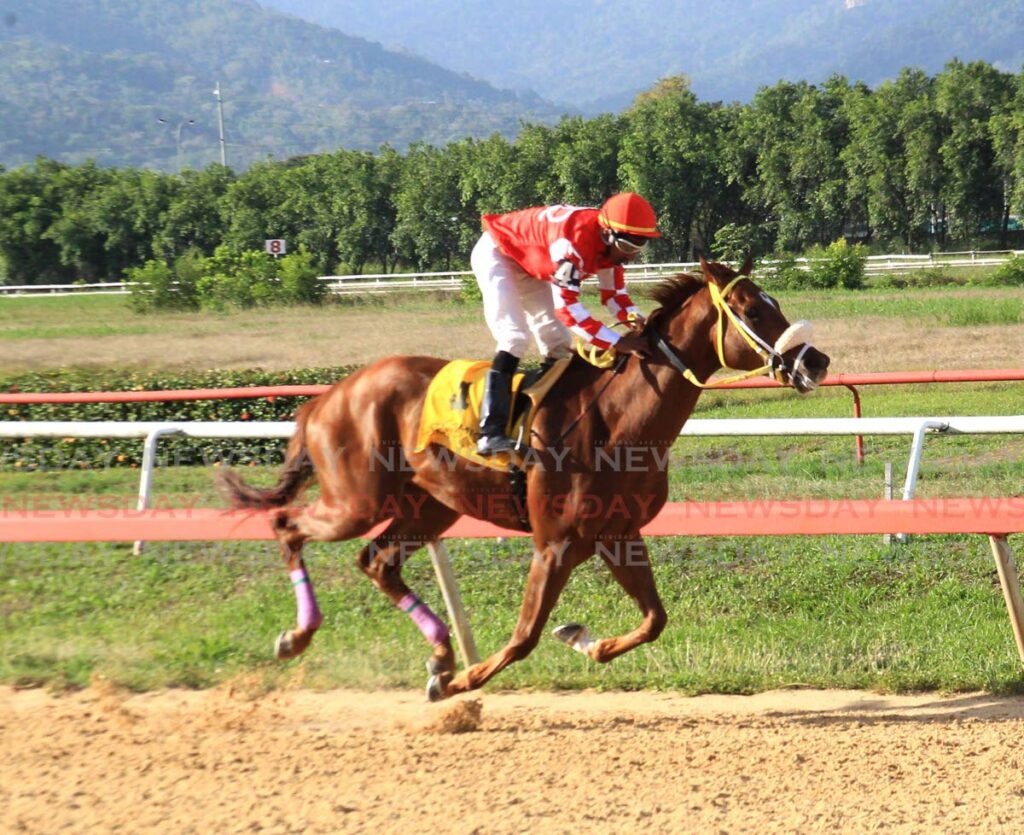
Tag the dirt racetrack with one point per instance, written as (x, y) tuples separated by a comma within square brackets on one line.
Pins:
[(230, 760)]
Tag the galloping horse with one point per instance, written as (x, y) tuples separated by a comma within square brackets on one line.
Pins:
[(596, 467)]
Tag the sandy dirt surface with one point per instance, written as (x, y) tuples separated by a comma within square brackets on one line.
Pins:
[(232, 760)]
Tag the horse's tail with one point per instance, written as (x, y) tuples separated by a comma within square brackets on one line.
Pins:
[(298, 470)]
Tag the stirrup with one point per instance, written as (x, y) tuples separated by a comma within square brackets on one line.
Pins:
[(495, 444)]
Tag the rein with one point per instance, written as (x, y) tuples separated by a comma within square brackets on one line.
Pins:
[(771, 354), (620, 364)]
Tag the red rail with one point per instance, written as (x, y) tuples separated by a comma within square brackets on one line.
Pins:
[(811, 517), (997, 375), (160, 396)]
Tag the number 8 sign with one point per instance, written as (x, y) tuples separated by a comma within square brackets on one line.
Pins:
[(275, 246)]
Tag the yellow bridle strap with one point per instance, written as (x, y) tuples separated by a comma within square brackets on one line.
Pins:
[(606, 358), (718, 297), (598, 357)]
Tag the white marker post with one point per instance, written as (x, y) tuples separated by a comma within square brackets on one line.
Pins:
[(275, 246)]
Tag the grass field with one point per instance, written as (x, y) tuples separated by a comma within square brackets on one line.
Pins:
[(862, 330), (745, 614)]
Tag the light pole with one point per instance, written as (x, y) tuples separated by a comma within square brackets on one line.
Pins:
[(220, 122), (177, 135)]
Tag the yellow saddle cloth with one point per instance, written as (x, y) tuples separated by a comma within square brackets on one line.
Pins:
[(451, 411)]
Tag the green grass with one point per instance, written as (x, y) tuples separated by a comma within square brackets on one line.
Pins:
[(50, 316), (69, 316), (941, 305), (745, 614)]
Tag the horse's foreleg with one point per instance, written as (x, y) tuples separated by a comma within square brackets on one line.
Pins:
[(630, 565), (549, 571)]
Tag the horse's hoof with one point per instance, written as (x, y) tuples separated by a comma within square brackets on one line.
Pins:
[(436, 689), (567, 633), (435, 666), (284, 648), (576, 636)]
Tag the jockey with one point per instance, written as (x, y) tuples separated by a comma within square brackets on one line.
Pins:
[(530, 264)]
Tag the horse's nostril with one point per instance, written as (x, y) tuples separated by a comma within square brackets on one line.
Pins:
[(817, 361)]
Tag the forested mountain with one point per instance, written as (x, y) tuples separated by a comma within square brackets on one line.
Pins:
[(596, 54), (919, 163), (92, 78)]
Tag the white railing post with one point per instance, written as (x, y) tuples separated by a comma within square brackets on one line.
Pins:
[(914, 462), (916, 451), (148, 466)]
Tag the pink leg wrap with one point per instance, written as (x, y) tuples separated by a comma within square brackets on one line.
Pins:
[(309, 616), (430, 625)]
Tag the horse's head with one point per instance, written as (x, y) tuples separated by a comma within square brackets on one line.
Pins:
[(748, 331), (752, 333)]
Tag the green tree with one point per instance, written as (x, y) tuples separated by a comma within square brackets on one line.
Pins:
[(967, 97), (585, 159), (360, 202), (886, 126), (194, 218), (27, 208), (1007, 127), (924, 129), (75, 228), (127, 214), (669, 155), (787, 159), (433, 223), (258, 205), (501, 176)]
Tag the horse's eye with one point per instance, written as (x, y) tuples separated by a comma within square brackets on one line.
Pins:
[(752, 313)]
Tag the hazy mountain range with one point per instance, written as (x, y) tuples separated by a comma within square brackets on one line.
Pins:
[(130, 82), (92, 78), (597, 54)]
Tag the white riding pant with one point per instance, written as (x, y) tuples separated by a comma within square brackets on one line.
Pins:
[(517, 305)]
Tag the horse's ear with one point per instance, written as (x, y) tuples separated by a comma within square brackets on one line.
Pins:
[(748, 265), (713, 271)]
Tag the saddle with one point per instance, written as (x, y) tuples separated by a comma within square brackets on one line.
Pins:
[(451, 410)]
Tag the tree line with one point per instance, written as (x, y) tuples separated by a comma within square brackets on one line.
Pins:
[(919, 163)]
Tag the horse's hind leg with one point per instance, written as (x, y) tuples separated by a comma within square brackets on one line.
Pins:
[(293, 642), (629, 563), (295, 526), (424, 521)]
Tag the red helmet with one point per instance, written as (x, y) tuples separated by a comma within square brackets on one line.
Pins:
[(630, 214)]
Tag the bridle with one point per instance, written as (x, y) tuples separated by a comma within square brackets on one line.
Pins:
[(798, 333), (774, 365)]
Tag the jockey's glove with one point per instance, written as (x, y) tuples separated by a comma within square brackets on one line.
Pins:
[(567, 276)]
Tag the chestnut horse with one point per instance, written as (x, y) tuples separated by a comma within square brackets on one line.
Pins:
[(595, 464)]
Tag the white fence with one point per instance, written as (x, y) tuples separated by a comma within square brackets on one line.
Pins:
[(917, 427), (452, 280)]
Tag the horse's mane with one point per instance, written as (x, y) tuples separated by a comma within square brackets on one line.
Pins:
[(676, 289)]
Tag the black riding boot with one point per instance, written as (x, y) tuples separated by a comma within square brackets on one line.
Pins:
[(496, 406)]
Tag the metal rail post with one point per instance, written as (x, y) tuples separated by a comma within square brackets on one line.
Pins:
[(1010, 582)]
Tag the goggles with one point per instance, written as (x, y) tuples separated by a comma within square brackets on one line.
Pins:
[(628, 244)]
